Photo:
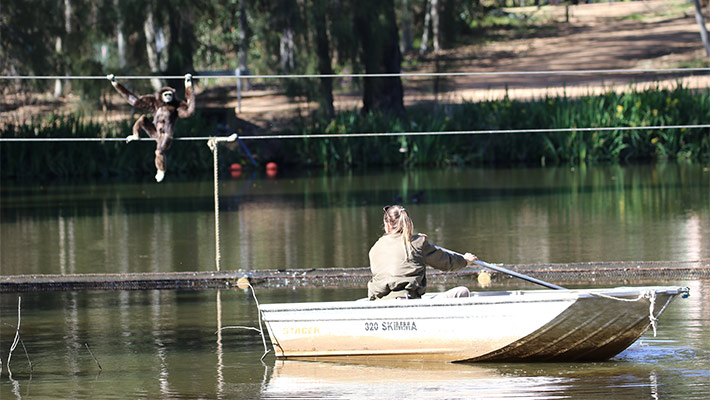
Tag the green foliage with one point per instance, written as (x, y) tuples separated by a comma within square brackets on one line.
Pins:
[(652, 107), (101, 159)]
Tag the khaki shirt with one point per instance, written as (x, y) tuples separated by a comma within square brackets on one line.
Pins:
[(395, 275)]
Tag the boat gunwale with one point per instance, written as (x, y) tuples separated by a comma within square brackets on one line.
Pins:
[(478, 298)]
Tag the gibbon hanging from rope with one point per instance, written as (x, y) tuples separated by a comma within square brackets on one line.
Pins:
[(167, 109)]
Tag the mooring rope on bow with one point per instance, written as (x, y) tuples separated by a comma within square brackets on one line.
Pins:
[(648, 294), (243, 283)]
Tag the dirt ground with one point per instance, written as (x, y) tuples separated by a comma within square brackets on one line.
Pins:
[(628, 35)]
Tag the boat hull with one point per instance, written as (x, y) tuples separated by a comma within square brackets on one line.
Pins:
[(536, 325)]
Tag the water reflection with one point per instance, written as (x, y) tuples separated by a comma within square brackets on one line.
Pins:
[(163, 344), (295, 379), (220, 350), (504, 215), (618, 380)]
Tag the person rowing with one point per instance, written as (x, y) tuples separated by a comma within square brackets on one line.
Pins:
[(399, 258)]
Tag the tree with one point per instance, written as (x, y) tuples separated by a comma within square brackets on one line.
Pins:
[(319, 8), (376, 28), (431, 17), (180, 40), (151, 47), (407, 32), (243, 41), (59, 45), (120, 37), (701, 23)]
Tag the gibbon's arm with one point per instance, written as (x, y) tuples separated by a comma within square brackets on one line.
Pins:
[(187, 109), (147, 101)]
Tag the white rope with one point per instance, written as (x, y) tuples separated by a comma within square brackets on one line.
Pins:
[(261, 327), (376, 134), (17, 336), (379, 75), (116, 139), (212, 144), (651, 317), (473, 132), (648, 294)]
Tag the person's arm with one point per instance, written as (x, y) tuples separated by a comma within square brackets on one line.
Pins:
[(444, 259)]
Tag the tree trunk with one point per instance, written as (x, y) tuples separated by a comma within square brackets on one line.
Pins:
[(151, 48), (58, 82), (67, 16), (180, 45), (59, 48), (407, 32), (120, 38), (286, 51), (243, 42), (376, 28), (323, 50), (435, 18), (425, 31), (701, 23)]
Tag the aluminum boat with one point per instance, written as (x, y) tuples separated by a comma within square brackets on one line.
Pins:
[(518, 325)]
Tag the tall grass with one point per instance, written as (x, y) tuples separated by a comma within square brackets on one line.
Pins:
[(96, 159), (650, 107)]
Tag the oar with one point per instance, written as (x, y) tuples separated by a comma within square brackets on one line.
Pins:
[(517, 275)]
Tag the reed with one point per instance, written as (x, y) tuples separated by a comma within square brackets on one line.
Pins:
[(96, 159), (650, 107)]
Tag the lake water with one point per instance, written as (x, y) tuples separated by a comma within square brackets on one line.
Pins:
[(543, 215), (163, 344)]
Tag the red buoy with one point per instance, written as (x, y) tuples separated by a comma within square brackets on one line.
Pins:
[(235, 170), (272, 169)]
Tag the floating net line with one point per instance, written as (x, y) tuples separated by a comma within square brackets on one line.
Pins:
[(602, 272)]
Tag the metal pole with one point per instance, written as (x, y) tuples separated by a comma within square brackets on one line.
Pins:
[(238, 72)]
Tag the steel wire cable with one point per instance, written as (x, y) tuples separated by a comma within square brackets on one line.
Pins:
[(380, 134), (376, 75)]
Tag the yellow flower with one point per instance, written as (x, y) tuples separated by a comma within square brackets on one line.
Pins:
[(654, 140), (619, 109), (638, 104), (655, 112)]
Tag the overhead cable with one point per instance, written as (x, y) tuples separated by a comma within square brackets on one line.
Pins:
[(378, 75), (376, 134)]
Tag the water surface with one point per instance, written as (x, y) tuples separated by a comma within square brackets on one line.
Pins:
[(618, 213), (162, 344)]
